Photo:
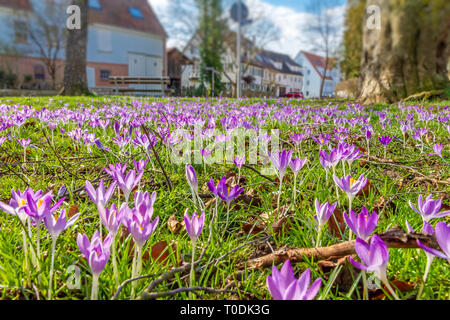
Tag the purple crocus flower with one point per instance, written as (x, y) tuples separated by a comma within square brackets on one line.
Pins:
[(56, 224), (39, 208), (296, 164), (95, 251), (283, 285), (385, 140), (429, 208), (146, 198), (349, 185), (118, 168), (18, 202), (323, 212), (280, 161), (374, 256), (139, 224), (443, 239), (111, 217), (239, 162), (191, 177), (205, 153), (140, 165), (194, 224), (297, 138), (129, 182), (215, 189), (363, 224), (322, 139), (24, 142), (99, 195), (228, 195), (437, 148), (368, 132)]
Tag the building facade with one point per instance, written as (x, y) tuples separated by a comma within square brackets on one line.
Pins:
[(125, 38), (263, 72), (313, 67)]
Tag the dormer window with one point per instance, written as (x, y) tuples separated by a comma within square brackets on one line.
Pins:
[(136, 12), (95, 4)]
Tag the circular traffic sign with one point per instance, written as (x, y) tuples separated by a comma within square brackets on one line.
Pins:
[(234, 12)]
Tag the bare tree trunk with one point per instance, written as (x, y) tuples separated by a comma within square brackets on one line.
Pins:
[(322, 83), (75, 81), (406, 54)]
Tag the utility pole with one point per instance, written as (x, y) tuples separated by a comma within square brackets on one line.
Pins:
[(213, 73), (238, 54)]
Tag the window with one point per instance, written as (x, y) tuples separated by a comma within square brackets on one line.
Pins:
[(39, 72), (136, 12), (104, 74), (307, 83), (104, 38), (95, 4), (20, 32)]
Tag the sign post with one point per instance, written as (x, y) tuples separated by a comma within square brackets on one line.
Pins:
[(239, 13)]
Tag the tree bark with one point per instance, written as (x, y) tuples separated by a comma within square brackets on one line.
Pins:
[(408, 54), (75, 80)]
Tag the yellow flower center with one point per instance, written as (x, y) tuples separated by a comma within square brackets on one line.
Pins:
[(22, 202), (352, 182), (40, 201)]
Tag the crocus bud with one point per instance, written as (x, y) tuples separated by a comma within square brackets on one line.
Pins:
[(191, 177)]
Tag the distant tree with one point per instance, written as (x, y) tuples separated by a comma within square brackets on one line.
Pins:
[(47, 34), (211, 32), (75, 80), (323, 33), (352, 40)]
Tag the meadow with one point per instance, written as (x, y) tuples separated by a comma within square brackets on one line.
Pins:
[(130, 198)]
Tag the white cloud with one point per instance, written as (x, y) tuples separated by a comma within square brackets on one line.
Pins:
[(293, 25)]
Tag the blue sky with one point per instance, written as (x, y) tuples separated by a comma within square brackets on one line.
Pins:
[(291, 17), (302, 5)]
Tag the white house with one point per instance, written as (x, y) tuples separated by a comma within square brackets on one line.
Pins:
[(125, 38), (266, 71), (313, 67)]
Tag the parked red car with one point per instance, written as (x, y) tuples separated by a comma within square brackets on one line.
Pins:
[(297, 95)]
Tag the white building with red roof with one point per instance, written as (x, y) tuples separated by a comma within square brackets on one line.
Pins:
[(125, 38), (313, 67)]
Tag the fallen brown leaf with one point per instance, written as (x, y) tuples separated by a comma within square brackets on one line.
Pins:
[(161, 251), (174, 225), (336, 224), (73, 210)]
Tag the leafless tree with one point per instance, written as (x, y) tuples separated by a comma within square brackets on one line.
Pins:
[(323, 33), (48, 35), (256, 36)]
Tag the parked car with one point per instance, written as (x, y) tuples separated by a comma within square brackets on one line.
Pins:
[(297, 95)]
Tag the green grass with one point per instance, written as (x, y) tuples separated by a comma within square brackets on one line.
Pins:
[(44, 170)]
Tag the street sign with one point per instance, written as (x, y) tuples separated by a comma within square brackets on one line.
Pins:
[(234, 12)]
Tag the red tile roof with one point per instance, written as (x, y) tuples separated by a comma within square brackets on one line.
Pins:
[(113, 12), (116, 13), (16, 4), (319, 62)]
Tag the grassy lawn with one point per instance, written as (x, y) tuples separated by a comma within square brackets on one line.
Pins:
[(63, 155)]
